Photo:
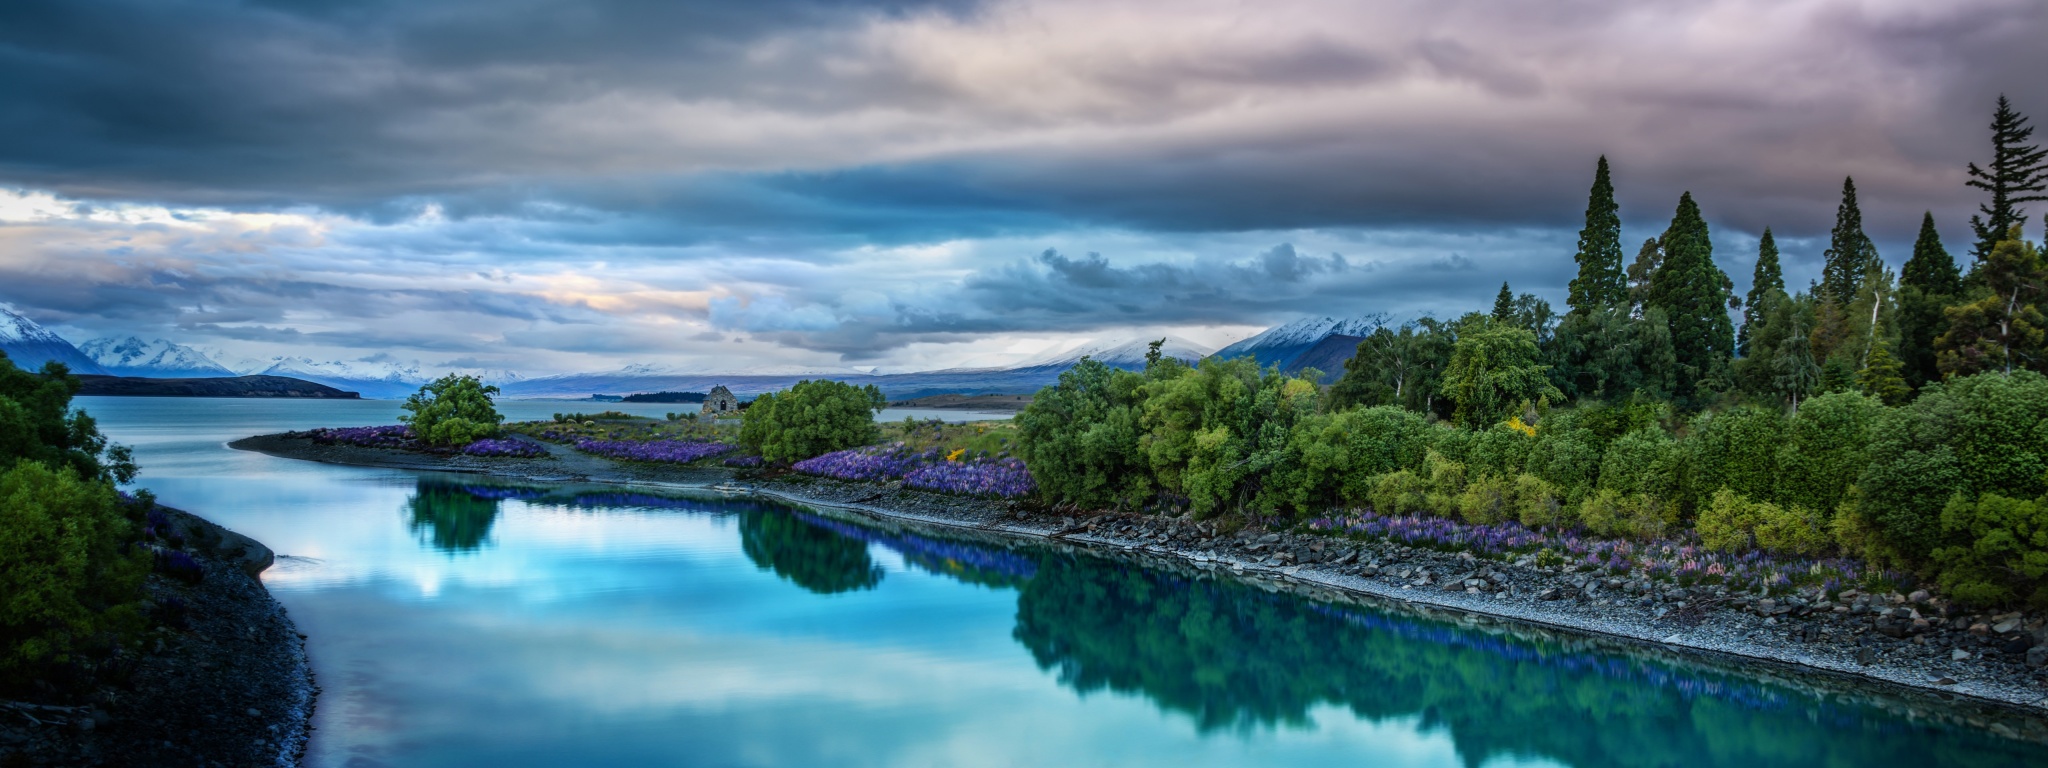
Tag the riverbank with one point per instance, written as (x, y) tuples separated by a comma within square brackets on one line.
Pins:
[(1911, 643), (226, 682)]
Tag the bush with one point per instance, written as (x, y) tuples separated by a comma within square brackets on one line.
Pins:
[(1401, 492), (38, 424), (1645, 462), (1728, 522), (810, 419), (65, 580), (1826, 447), (1973, 435), (1568, 459), (1081, 438), (1609, 512), (1737, 450), (1535, 503), (1486, 501), (2002, 554), (452, 410)]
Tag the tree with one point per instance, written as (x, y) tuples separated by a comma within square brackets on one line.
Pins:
[(1640, 274), (1928, 282), (1767, 278), (1796, 374), (1850, 252), (809, 419), (37, 423), (1080, 437), (1882, 378), (452, 410), (1695, 295), (2017, 169), (1607, 354), (1395, 367), (1494, 369), (1600, 282), (2003, 329), (1504, 304)]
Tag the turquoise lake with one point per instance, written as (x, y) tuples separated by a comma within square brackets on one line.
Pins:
[(458, 621)]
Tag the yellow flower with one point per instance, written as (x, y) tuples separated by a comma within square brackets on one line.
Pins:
[(1515, 423), (956, 454)]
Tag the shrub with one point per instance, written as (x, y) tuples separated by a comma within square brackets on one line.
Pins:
[(1736, 450), (811, 418), (1645, 462), (1494, 368), (1728, 522), (1609, 512), (1793, 529), (1972, 435), (1535, 503), (1568, 459), (1486, 501), (1826, 447), (452, 410), (64, 577), (2002, 550), (1081, 437), (1400, 492)]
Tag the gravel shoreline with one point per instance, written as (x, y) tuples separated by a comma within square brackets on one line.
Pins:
[(233, 687), (1972, 667)]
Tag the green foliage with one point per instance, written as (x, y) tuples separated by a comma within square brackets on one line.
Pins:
[(1080, 437), (810, 418), (809, 556), (1396, 367), (1883, 377), (1504, 304), (1600, 283), (1737, 449), (1606, 353), (1978, 434), (2001, 550), (1826, 449), (1647, 462), (1850, 252), (1927, 283), (38, 424), (1494, 369), (1220, 433), (452, 410), (1766, 281), (2018, 173), (1728, 522), (1733, 522), (1609, 512), (64, 580), (1695, 296), (1401, 492), (2004, 328)]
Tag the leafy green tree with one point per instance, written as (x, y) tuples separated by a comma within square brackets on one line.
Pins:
[(1395, 367), (1795, 374), (1494, 368), (2018, 174), (2004, 328), (1767, 278), (68, 578), (812, 417), (1600, 282), (1928, 282), (1607, 354), (1850, 252), (1736, 449), (1218, 433), (1642, 273), (1504, 304), (1081, 438), (37, 423), (1826, 448), (1695, 295), (452, 410), (2000, 550)]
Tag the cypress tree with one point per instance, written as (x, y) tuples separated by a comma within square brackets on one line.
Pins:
[(1600, 281), (1694, 295), (1504, 304), (1928, 282), (1768, 277), (2016, 170), (1850, 252)]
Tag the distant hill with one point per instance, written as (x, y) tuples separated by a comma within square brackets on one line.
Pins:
[(1327, 356), (131, 356), (30, 345), (1281, 344), (225, 386), (665, 397)]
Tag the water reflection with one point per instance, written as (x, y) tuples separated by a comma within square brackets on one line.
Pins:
[(1235, 659)]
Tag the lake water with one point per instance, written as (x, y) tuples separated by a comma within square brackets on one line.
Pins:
[(460, 621)]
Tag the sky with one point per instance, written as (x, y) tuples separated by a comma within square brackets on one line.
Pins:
[(562, 185)]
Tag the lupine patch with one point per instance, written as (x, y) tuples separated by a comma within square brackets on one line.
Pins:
[(666, 451)]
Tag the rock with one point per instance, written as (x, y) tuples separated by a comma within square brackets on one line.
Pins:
[(1918, 596), (1959, 655), (2006, 626), (1980, 629), (1942, 680), (2037, 656), (1549, 593), (1890, 628), (1866, 655)]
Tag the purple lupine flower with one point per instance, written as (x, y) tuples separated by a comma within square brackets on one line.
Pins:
[(666, 451), (498, 447)]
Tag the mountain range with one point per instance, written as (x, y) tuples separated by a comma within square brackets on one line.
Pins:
[(1320, 342)]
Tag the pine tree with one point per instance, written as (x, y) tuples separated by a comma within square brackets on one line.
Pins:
[(2005, 329), (2016, 170), (1640, 271), (1850, 252), (1929, 282), (1600, 282), (1695, 295), (1504, 304), (1767, 278), (1882, 378)]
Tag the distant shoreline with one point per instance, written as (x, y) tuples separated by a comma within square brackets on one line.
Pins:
[(992, 403), (1729, 629), (95, 385)]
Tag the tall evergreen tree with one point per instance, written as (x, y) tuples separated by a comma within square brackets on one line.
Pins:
[(1850, 252), (2004, 328), (2017, 170), (1504, 304), (1600, 282), (1695, 295), (1640, 271), (1929, 282), (1768, 277)]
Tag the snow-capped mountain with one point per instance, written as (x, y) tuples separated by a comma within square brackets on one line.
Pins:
[(160, 359), (1119, 353), (1280, 344), (30, 345)]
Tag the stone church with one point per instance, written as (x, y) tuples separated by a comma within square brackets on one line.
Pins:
[(720, 401)]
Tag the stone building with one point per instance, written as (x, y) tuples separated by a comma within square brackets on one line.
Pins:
[(720, 401)]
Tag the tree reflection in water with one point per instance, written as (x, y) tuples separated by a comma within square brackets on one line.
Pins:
[(808, 555), (456, 518)]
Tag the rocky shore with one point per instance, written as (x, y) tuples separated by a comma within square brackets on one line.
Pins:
[(224, 683), (1914, 643)]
